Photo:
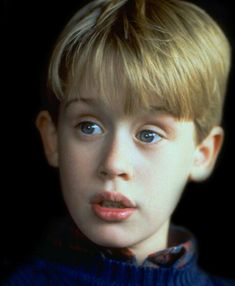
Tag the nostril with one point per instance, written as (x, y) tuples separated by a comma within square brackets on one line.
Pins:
[(112, 173), (125, 176), (115, 171), (103, 173)]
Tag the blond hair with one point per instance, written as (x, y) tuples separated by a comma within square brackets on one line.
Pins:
[(168, 52)]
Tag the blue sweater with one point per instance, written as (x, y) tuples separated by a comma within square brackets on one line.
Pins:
[(68, 259), (108, 272)]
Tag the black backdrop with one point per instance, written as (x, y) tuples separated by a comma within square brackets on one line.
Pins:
[(30, 194)]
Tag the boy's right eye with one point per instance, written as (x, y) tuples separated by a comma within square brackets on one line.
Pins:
[(90, 128)]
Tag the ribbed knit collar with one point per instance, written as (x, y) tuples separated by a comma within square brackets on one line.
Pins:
[(64, 241)]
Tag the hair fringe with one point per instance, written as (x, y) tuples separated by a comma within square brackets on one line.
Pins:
[(166, 52)]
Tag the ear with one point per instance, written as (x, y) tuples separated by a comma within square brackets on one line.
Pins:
[(48, 134), (206, 154)]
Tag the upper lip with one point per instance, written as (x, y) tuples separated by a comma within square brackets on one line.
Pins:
[(114, 197)]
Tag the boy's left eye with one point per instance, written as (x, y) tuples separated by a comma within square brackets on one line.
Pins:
[(148, 136)]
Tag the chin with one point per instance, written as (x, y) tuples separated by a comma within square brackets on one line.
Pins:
[(110, 237)]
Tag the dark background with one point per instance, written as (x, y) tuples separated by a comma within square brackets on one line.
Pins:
[(30, 194)]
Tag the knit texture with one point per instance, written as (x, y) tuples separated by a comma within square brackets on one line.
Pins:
[(108, 272)]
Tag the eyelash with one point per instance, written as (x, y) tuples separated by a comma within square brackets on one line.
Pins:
[(146, 132)]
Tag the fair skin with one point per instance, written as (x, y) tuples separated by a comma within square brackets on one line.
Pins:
[(148, 157)]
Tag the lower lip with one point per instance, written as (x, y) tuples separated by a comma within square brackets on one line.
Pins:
[(112, 214)]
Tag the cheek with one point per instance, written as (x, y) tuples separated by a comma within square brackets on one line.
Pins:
[(163, 180), (76, 169), (77, 163), (165, 166)]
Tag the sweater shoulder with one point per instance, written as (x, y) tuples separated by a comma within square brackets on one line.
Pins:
[(24, 275), (33, 273), (43, 272)]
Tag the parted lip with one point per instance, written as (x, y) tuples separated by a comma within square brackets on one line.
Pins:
[(113, 197)]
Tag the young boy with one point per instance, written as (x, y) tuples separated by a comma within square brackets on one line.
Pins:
[(136, 92)]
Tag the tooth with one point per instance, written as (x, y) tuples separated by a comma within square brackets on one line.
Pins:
[(111, 204)]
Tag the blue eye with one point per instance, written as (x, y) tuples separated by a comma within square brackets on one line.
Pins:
[(148, 136), (90, 128)]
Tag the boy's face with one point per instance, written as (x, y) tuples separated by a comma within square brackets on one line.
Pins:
[(142, 160)]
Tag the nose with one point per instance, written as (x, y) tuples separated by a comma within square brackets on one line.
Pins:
[(117, 160)]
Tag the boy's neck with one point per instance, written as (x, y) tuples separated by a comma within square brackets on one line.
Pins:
[(157, 242)]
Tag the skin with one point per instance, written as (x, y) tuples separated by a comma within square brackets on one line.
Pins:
[(149, 157)]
